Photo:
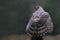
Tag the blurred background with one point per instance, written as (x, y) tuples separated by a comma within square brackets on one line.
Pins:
[(15, 14)]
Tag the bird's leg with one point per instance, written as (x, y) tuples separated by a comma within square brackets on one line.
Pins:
[(36, 37)]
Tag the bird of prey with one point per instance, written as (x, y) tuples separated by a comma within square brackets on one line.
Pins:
[(40, 23)]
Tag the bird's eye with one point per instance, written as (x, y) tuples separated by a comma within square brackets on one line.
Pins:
[(37, 16)]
